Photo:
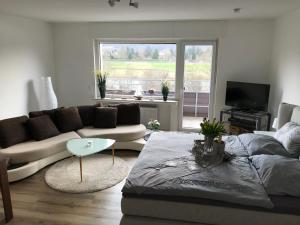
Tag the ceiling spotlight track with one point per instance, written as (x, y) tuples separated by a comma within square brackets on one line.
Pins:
[(112, 2), (132, 3)]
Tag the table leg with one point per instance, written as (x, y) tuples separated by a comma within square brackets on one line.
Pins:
[(113, 153), (80, 160), (4, 185)]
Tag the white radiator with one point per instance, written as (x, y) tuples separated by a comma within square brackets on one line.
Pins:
[(147, 114)]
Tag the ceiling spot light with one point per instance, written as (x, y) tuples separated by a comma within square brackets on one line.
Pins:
[(237, 10), (134, 4), (112, 2)]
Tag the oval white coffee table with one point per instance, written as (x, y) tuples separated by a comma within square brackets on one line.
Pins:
[(88, 146)]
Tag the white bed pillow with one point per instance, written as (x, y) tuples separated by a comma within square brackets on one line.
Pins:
[(257, 144), (280, 175), (289, 137), (296, 115)]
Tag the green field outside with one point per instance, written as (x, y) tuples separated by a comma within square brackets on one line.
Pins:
[(156, 69)]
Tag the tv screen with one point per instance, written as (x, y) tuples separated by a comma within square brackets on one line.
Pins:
[(247, 96)]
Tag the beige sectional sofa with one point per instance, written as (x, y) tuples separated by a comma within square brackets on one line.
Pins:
[(28, 157), (123, 133), (31, 151), (35, 155)]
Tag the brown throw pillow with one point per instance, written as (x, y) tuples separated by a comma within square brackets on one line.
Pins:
[(87, 115), (68, 119), (105, 117), (41, 128), (50, 113), (13, 131), (128, 114)]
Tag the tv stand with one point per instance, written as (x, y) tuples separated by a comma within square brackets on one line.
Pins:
[(245, 120), (252, 111)]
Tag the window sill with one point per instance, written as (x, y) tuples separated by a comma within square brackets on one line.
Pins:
[(132, 100)]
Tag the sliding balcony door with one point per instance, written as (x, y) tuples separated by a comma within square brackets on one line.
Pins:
[(197, 98)]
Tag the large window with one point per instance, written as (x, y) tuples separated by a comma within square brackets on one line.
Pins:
[(138, 67)]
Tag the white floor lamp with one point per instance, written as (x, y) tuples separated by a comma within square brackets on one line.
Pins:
[(48, 98)]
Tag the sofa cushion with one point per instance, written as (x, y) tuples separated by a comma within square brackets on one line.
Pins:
[(122, 133), (34, 150), (105, 117), (13, 131), (128, 114), (50, 113), (86, 113), (68, 119), (41, 128)]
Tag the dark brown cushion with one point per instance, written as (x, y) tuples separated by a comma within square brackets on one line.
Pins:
[(41, 128), (128, 114), (13, 131), (68, 119), (86, 113), (105, 117), (51, 113)]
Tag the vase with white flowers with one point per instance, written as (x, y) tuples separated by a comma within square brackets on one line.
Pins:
[(212, 131), (210, 150)]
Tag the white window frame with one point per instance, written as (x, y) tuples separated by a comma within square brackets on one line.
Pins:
[(213, 79), (179, 74), (98, 66)]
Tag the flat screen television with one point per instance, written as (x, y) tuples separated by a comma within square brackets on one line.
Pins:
[(247, 96)]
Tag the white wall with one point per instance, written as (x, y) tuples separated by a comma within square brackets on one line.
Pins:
[(26, 54), (285, 76), (244, 51), (244, 55)]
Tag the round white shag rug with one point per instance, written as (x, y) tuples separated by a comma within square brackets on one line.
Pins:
[(98, 171)]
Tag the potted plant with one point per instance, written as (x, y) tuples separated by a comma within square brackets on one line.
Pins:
[(153, 125), (212, 131), (165, 89), (101, 81)]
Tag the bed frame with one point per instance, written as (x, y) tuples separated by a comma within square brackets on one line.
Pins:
[(163, 212), (184, 213)]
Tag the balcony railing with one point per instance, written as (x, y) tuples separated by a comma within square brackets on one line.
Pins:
[(196, 95), (195, 104)]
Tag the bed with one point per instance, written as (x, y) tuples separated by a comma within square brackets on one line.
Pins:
[(166, 187)]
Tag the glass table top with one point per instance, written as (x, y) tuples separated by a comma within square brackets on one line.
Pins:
[(88, 146)]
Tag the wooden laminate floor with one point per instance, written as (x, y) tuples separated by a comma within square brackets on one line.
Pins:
[(36, 203)]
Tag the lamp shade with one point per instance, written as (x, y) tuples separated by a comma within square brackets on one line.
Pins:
[(47, 98), (275, 123)]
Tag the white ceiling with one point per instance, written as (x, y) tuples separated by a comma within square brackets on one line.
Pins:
[(99, 10)]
